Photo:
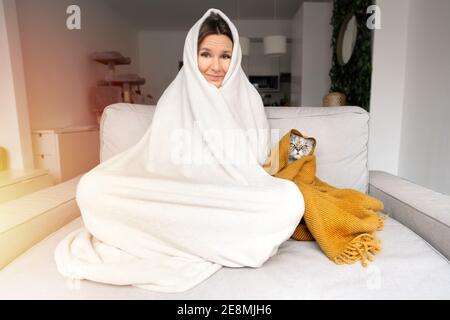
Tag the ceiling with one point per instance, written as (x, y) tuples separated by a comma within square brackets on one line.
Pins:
[(180, 15)]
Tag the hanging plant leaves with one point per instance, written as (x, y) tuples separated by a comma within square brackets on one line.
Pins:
[(353, 78)]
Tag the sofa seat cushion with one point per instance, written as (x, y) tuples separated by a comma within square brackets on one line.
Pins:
[(406, 268)]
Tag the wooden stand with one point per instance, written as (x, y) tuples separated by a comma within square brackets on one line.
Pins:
[(107, 91)]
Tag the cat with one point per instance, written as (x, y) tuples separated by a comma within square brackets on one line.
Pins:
[(299, 147)]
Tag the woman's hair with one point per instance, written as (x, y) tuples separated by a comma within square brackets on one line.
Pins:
[(214, 24)]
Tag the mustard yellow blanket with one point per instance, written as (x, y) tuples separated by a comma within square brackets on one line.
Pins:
[(342, 221)]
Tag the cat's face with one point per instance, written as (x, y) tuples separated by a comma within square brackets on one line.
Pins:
[(299, 147)]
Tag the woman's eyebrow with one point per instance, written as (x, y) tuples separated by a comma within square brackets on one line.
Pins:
[(206, 49)]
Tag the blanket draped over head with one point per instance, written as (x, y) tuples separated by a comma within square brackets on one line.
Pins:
[(342, 221), (174, 208)]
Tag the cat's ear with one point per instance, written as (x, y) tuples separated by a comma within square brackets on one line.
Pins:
[(312, 141)]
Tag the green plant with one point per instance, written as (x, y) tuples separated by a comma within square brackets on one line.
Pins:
[(354, 78)]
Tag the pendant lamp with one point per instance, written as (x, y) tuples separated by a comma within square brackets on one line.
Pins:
[(275, 45)]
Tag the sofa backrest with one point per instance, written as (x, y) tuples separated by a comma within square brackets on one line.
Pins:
[(341, 134)]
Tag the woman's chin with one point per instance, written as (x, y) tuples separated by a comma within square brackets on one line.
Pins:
[(216, 83)]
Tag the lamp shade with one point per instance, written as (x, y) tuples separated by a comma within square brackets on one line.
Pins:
[(275, 45), (245, 45)]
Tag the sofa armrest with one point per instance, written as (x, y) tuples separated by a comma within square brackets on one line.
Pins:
[(424, 211)]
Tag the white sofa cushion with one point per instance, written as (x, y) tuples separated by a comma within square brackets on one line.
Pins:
[(121, 126), (341, 133)]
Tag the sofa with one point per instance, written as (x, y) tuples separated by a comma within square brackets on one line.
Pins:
[(413, 263)]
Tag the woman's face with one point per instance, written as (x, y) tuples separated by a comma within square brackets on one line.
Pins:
[(214, 57)]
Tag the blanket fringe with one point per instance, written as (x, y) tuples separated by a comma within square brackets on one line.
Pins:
[(381, 221), (363, 248)]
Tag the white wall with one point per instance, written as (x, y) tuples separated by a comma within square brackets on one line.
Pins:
[(58, 68), (388, 82), (311, 53), (316, 55), (160, 51), (425, 130), (410, 114), (14, 123), (296, 58)]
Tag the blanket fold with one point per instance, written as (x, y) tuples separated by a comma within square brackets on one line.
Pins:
[(342, 221)]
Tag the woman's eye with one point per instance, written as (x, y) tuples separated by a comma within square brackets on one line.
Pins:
[(206, 55)]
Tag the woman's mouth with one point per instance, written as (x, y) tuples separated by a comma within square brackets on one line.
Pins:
[(215, 78)]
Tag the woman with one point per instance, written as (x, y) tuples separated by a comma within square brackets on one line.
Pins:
[(215, 46), (173, 209)]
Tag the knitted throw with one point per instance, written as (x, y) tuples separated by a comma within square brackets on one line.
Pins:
[(342, 221)]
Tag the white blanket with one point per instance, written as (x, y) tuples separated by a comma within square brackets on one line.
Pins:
[(191, 196)]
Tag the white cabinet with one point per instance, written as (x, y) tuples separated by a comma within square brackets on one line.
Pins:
[(66, 152)]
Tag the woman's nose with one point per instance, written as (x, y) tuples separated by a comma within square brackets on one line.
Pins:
[(215, 65)]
